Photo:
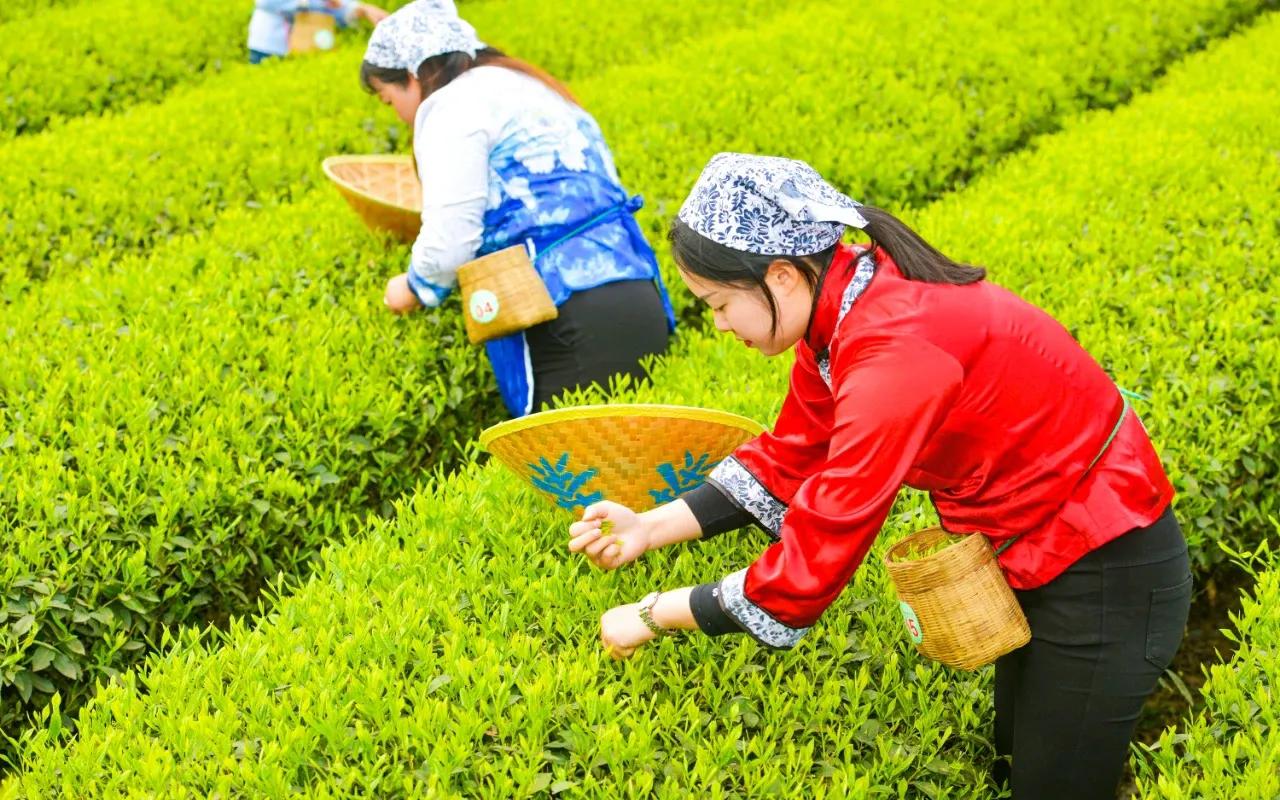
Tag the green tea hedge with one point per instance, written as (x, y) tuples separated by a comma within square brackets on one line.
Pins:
[(436, 657), (87, 58), (1232, 747), (177, 431), (27, 9), (1154, 242), (908, 103)]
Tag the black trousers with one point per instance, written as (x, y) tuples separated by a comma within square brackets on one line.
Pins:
[(1101, 635), (600, 333)]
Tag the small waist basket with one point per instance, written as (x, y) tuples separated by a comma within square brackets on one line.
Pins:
[(312, 31), (502, 293), (957, 605)]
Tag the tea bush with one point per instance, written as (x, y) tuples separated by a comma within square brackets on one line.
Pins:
[(1232, 747), (86, 58), (176, 431)]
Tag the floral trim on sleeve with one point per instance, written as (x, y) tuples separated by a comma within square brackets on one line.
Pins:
[(754, 619), (747, 491)]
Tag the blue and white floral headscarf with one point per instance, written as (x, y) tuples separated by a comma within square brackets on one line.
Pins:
[(768, 206), (420, 30)]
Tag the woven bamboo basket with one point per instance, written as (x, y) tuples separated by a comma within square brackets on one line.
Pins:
[(502, 293), (957, 605), (639, 455), (383, 190), (311, 31)]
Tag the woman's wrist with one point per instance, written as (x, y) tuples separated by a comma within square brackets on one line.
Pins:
[(653, 528), (672, 610), (670, 524)]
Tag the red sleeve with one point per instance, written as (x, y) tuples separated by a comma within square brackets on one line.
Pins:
[(890, 395), (763, 475)]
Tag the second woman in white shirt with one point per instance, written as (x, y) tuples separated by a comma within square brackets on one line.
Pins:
[(507, 156)]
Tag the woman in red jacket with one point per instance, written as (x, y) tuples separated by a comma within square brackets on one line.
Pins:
[(912, 369)]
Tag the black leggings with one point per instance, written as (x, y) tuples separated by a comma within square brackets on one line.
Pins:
[(599, 333), (1101, 635)]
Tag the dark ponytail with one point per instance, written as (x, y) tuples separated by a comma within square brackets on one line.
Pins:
[(917, 260), (438, 71)]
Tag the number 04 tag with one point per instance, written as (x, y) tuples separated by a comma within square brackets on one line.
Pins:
[(484, 306)]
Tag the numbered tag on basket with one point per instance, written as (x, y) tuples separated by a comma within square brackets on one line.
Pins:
[(913, 623), (484, 306)]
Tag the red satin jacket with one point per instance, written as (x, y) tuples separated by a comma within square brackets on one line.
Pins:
[(967, 392)]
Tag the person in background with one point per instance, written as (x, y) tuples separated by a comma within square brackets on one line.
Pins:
[(269, 26), (507, 157)]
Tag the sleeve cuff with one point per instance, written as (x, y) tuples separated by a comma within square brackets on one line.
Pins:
[(721, 608), (753, 619), (711, 617), (746, 491), (715, 511), (428, 293)]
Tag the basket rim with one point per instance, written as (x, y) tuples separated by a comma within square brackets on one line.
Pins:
[(899, 546), (390, 158), (495, 432), (972, 552)]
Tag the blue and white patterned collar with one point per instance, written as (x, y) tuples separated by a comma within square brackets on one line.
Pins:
[(768, 206), (843, 282), (831, 312)]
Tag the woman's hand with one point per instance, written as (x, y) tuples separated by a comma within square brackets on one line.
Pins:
[(399, 298), (622, 631), (628, 539)]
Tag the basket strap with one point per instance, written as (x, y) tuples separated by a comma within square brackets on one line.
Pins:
[(1125, 394), (628, 206)]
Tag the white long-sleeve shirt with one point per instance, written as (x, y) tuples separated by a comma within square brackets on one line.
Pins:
[(504, 160), (486, 117)]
